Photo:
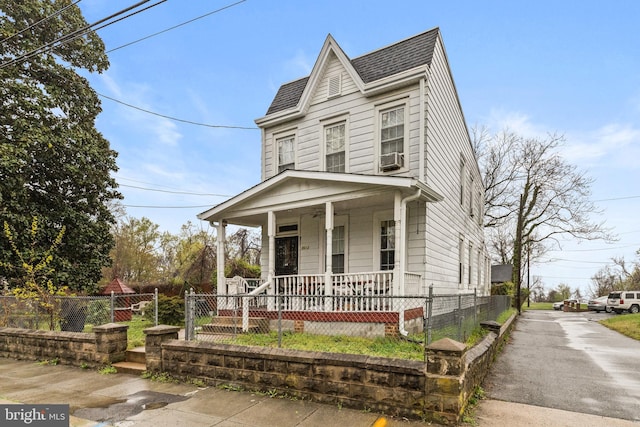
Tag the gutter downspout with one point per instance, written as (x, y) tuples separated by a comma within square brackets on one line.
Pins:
[(403, 254)]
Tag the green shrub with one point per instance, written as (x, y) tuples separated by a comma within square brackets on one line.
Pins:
[(170, 311)]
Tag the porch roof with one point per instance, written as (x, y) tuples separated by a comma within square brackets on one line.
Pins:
[(307, 191)]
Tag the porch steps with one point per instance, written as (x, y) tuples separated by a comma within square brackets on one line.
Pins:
[(135, 362), (225, 325)]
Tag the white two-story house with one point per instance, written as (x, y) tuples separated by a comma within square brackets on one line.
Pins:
[(369, 182)]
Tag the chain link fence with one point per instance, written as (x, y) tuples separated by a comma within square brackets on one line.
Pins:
[(82, 313), (354, 321)]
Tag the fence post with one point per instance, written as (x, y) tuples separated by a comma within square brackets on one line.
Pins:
[(429, 325), (113, 306), (280, 302), (155, 303), (192, 315), (475, 307), (245, 312), (186, 315), (459, 317)]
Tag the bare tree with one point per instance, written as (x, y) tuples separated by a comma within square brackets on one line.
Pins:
[(604, 281), (536, 195)]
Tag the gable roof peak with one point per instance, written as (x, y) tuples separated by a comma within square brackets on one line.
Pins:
[(407, 54)]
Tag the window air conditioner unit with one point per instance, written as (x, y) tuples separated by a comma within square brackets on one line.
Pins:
[(391, 161)]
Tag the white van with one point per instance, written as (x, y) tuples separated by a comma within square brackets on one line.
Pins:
[(621, 301)]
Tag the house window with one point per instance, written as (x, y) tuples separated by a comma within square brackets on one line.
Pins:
[(387, 245), (460, 260), (470, 262), (462, 178), (286, 153), (334, 137), (392, 132), (471, 213), (337, 249)]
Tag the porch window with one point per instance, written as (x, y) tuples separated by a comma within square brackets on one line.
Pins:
[(286, 153), (392, 131), (337, 251), (334, 137), (387, 245)]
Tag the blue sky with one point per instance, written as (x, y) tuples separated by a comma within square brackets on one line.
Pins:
[(570, 67)]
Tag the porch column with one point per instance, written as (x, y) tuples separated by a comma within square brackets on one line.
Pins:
[(271, 268), (398, 255), (220, 255), (328, 225)]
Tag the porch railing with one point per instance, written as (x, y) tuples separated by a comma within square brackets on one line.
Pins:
[(366, 291)]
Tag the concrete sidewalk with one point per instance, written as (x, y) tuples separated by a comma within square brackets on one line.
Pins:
[(126, 400)]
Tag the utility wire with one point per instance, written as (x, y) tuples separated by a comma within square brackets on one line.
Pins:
[(78, 33), (58, 12), (175, 118), (174, 192), (176, 26), (166, 207)]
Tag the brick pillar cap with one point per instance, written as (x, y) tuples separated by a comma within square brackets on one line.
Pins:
[(110, 327), (161, 330), (447, 344)]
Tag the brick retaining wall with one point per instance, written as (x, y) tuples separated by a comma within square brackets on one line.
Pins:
[(106, 344), (437, 390)]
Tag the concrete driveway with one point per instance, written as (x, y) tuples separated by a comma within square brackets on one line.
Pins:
[(568, 361)]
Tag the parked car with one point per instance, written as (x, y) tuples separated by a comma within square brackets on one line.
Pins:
[(620, 301), (560, 304), (599, 304)]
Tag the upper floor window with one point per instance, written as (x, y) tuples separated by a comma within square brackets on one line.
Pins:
[(286, 153), (392, 138), (334, 137)]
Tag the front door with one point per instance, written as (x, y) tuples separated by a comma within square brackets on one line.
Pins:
[(286, 256)]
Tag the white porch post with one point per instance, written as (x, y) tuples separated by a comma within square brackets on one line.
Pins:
[(328, 285), (222, 286), (271, 232), (398, 255)]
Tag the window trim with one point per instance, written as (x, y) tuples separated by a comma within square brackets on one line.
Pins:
[(378, 217), (334, 121), (379, 110), (338, 221), (276, 153)]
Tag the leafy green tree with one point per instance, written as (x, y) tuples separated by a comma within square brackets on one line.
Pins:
[(135, 254), (33, 272), (54, 164)]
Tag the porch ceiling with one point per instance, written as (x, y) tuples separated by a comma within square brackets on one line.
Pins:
[(306, 192)]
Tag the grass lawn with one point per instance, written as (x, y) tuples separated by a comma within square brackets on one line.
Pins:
[(538, 306), (626, 324)]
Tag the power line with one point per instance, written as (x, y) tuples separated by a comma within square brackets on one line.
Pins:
[(618, 198), (174, 192), (175, 118), (57, 12), (79, 33), (176, 26), (166, 207)]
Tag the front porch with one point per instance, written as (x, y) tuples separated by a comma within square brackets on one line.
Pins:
[(358, 292)]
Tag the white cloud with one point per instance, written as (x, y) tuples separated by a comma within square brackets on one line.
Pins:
[(615, 144), (300, 65)]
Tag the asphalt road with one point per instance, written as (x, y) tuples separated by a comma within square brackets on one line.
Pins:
[(571, 362)]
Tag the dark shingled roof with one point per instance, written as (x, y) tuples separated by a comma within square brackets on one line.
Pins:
[(288, 95), (399, 57), (385, 62)]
